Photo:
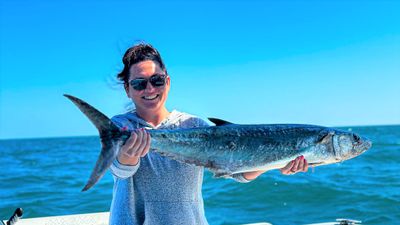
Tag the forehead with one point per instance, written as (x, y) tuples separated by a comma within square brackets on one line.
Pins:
[(144, 69)]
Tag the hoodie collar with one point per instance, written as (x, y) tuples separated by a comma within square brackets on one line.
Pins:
[(172, 118)]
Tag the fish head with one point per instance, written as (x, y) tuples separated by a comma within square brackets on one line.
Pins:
[(348, 145)]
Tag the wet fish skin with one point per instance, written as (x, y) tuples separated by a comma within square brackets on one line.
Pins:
[(232, 148), (227, 148)]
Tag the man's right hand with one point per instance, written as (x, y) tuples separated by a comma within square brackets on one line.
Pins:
[(137, 145)]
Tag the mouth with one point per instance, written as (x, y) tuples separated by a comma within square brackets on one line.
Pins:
[(362, 147), (150, 97), (366, 145)]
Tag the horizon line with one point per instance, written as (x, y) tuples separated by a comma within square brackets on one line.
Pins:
[(96, 135)]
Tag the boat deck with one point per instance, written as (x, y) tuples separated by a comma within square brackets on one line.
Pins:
[(101, 218)]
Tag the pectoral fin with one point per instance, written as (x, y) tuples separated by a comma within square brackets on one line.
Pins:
[(326, 138)]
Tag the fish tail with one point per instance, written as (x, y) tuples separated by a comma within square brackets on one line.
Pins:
[(101, 121), (109, 134)]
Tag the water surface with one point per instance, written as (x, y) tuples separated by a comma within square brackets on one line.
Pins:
[(45, 176)]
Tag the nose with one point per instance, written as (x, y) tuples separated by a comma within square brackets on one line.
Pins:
[(149, 87)]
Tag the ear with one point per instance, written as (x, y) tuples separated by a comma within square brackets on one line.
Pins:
[(168, 82)]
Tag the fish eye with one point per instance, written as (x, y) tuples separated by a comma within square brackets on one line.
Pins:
[(356, 138)]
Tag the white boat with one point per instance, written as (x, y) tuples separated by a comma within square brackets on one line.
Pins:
[(81, 219), (101, 218)]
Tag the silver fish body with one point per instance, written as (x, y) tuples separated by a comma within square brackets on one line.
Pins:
[(227, 148), (232, 148)]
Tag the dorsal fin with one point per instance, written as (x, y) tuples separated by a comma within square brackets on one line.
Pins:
[(219, 122)]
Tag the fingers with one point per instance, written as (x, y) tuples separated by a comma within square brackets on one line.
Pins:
[(287, 169), (138, 144), (299, 164), (305, 168), (136, 147), (296, 164), (144, 145), (147, 145), (128, 147), (303, 165)]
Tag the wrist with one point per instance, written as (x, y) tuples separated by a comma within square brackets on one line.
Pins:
[(253, 174), (132, 161)]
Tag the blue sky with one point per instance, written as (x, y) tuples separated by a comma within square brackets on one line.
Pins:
[(330, 63)]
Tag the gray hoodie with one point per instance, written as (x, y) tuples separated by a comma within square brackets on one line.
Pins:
[(158, 190)]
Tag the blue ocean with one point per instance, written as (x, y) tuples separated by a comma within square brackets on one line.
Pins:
[(45, 178)]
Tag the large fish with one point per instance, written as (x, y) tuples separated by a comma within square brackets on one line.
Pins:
[(228, 148)]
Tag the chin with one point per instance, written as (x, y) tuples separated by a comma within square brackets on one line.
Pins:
[(151, 107)]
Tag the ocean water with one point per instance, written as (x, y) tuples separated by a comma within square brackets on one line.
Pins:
[(45, 176)]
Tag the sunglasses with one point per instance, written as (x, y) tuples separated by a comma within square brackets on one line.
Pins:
[(157, 80)]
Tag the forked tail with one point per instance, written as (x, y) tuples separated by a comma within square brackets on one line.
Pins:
[(109, 136)]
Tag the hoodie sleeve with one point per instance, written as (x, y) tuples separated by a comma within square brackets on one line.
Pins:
[(123, 171), (117, 169)]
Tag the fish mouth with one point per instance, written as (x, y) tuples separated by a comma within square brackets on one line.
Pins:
[(363, 146), (366, 145), (150, 97)]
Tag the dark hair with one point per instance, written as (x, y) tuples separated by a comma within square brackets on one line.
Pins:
[(137, 53)]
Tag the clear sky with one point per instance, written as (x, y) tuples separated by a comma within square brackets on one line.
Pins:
[(330, 63)]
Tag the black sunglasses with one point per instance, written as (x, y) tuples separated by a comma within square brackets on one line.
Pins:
[(157, 80)]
